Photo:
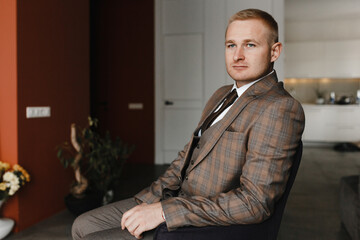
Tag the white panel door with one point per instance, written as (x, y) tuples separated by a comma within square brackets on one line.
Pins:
[(183, 67), (214, 47), (180, 54), (183, 81), (182, 16)]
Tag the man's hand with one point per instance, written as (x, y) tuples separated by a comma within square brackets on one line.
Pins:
[(141, 218)]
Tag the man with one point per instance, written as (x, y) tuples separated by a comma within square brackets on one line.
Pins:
[(237, 163)]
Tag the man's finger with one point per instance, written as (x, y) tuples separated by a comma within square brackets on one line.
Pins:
[(130, 223), (125, 217), (128, 214), (138, 231), (132, 228)]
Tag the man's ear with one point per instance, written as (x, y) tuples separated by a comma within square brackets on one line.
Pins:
[(275, 51)]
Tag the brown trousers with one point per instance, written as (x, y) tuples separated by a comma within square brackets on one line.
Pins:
[(105, 223)]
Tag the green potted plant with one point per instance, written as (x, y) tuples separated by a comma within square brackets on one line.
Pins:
[(97, 162)]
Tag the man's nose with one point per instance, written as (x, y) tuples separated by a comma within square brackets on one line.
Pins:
[(239, 54)]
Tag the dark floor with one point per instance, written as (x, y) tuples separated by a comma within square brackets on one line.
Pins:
[(312, 211)]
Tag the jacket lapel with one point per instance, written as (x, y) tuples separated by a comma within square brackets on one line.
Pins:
[(216, 104), (216, 131)]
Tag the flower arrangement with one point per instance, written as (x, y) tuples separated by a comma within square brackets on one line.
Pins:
[(12, 179)]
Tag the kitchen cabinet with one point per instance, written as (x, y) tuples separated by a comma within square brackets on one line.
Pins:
[(331, 123), (320, 59)]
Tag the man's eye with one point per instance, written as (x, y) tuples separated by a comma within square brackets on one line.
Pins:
[(231, 45), (250, 45)]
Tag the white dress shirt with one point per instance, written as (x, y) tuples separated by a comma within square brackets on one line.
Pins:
[(239, 91)]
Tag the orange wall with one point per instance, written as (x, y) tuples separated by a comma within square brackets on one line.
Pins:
[(52, 53), (8, 94)]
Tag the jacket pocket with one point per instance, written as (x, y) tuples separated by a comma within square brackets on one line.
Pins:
[(232, 146)]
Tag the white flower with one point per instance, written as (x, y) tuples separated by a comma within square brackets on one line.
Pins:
[(13, 182)]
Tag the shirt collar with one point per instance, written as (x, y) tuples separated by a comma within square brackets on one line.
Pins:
[(243, 88)]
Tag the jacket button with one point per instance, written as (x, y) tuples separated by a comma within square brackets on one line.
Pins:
[(198, 146), (192, 162), (186, 178)]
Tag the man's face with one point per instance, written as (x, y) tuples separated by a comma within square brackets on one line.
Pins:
[(248, 53)]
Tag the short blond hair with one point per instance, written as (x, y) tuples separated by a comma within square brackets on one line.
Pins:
[(265, 17)]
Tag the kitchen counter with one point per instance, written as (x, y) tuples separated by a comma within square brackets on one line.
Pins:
[(331, 123)]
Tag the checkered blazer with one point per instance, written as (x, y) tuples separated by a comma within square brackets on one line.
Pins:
[(243, 163)]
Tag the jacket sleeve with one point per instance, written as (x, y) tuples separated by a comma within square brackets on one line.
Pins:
[(271, 145)]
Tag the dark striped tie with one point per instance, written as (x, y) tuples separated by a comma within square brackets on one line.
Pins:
[(229, 99)]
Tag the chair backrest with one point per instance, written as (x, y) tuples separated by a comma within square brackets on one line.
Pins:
[(267, 230), (275, 220)]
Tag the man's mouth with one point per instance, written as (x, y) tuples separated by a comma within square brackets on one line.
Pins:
[(239, 66)]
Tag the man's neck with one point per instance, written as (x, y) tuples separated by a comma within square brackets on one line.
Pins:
[(240, 83)]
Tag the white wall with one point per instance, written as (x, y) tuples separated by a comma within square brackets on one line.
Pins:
[(322, 38)]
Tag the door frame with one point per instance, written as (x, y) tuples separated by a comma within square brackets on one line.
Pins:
[(159, 113)]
